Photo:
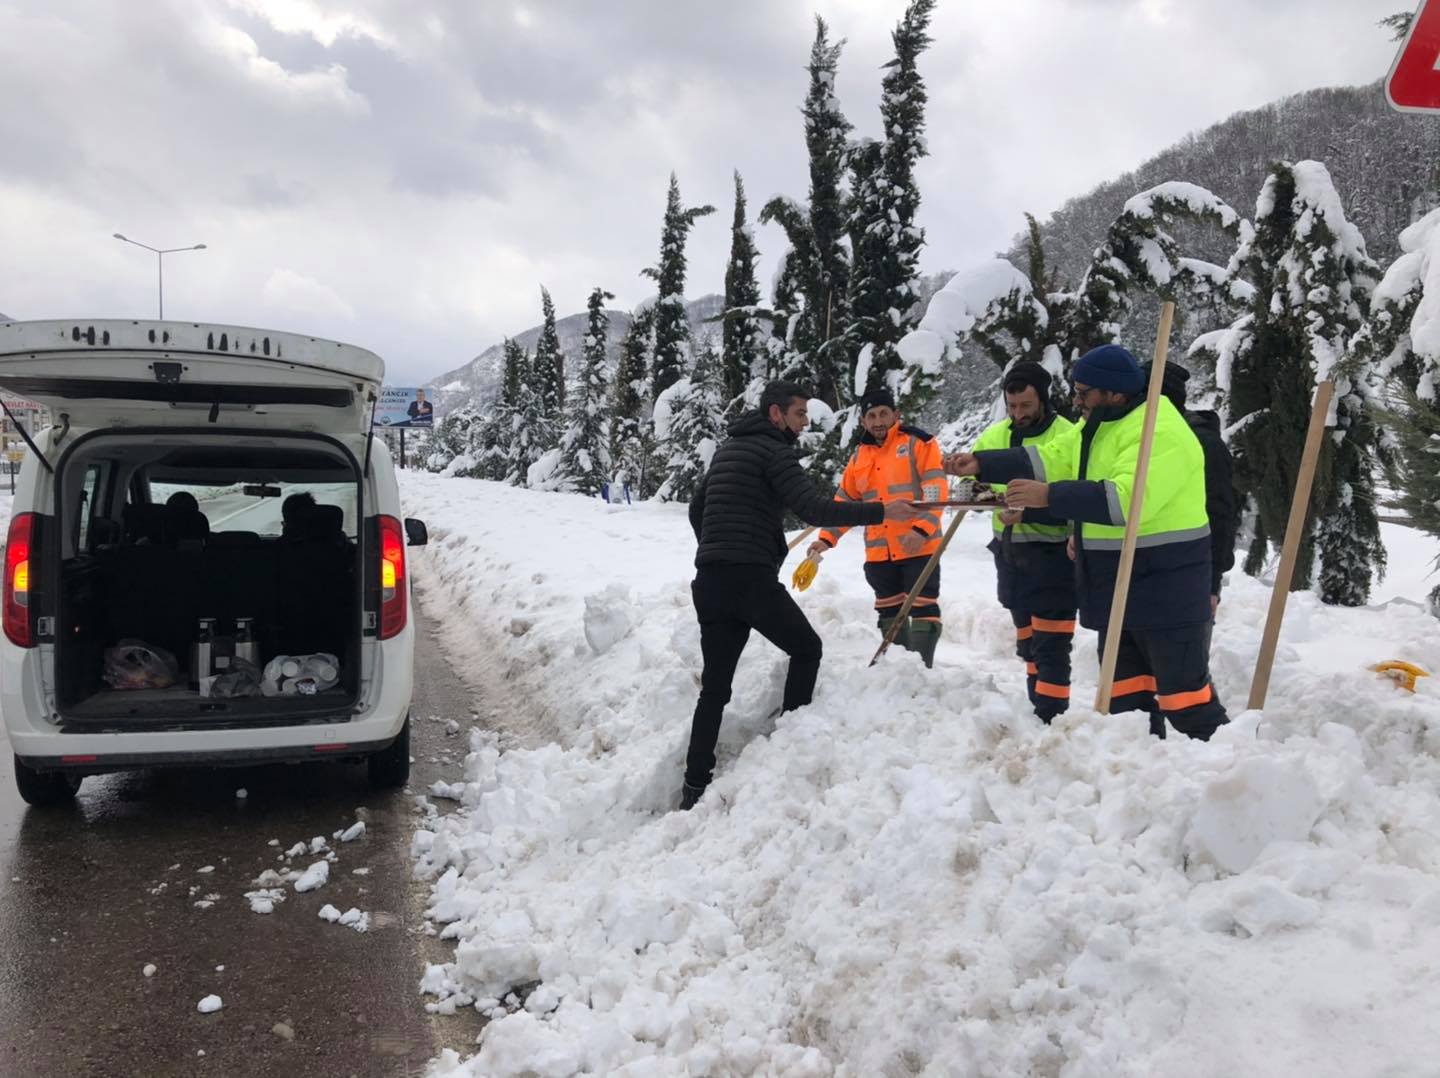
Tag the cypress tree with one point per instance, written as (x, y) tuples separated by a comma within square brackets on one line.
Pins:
[(692, 413), (887, 261), (549, 363), (743, 335), (584, 463), (672, 328), (630, 442), (818, 265)]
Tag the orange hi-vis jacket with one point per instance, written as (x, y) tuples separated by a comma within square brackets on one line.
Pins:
[(906, 466)]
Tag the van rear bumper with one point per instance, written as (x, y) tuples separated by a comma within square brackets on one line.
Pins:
[(102, 763), (97, 753)]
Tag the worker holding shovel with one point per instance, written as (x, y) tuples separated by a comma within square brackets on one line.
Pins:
[(895, 462)]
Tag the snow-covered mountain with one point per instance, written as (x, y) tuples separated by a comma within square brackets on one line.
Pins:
[(478, 380)]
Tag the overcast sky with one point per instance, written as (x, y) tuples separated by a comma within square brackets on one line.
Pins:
[(404, 175)]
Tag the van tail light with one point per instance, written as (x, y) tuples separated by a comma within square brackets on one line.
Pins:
[(18, 623), (393, 605)]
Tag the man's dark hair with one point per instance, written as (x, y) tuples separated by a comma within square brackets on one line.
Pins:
[(781, 393), (297, 506)]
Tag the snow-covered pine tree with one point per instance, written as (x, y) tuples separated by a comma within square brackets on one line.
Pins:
[(453, 439), (1402, 339), (816, 268), (532, 434), (631, 443), (548, 367), (672, 327), (1312, 280), (689, 425), (492, 444), (886, 264), (585, 450), (1140, 255), (744, 333)]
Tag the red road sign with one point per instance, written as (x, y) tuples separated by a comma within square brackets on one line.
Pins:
[(1414, 82)]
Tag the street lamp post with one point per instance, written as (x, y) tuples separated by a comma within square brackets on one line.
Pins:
[(160, 253)]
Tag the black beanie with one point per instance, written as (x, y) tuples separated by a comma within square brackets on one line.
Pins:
[(876, 398), (1032, 374), (1172, 382)]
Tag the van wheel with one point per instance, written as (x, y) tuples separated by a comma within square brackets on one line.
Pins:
[(44, 789), (390, 767)]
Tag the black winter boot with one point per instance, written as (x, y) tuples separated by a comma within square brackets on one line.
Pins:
[(689, 795)]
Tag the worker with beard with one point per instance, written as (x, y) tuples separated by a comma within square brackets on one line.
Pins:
[(895, 462), (1035, 580)]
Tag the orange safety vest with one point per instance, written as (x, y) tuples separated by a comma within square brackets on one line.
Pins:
[(907, 465)]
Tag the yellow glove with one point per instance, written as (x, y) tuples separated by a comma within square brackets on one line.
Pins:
[(1404, 673), (805, 573)]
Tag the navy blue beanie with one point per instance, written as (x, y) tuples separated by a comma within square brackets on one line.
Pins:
[(1109, 367)]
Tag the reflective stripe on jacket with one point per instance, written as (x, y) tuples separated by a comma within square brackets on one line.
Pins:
[(907, 465)]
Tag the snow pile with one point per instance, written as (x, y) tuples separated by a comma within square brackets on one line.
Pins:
[(912, 875)]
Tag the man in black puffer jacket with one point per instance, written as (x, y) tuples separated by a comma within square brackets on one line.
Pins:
[(737, 514)]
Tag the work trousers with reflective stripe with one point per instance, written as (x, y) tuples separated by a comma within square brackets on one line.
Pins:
[(1166, 672), (1042, 640), (892, 581)]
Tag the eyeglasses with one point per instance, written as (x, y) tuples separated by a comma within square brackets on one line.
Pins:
[(1080, 393)]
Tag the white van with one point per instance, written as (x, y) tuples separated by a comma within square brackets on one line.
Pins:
[(200, 482)]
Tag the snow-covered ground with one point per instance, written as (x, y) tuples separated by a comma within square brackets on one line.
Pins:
[(912, 876)]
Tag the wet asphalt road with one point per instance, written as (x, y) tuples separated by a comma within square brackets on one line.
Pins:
[(89, 895)]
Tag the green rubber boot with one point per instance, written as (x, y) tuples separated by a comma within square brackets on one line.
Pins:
[(924, 635), (902, 638)]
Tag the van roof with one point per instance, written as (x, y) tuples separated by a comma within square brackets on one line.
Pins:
[(187, 338)]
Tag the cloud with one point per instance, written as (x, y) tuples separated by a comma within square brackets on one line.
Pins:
[(433, 166), (294, 293)]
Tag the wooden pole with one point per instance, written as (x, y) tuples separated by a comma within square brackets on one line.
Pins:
[(1299, 506), (904, 613), (1116, 624), (800, 538)]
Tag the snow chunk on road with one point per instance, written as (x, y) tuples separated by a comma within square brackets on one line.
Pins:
[(351, 918), (149, 970), (209, 1005), (314, 877), (354, 831), (266, 899)]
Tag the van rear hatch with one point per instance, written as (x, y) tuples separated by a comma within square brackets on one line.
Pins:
[(118, 373)]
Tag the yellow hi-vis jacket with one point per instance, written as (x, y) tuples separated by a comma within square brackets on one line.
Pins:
[(906, 465)]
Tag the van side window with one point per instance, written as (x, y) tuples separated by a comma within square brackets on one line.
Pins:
[(89, 501)]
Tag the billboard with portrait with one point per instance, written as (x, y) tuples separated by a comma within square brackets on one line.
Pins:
[(406, 406)]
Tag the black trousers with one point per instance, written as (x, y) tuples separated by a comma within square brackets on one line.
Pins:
[(1042, 641), (730, 600), (1167, 673)]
